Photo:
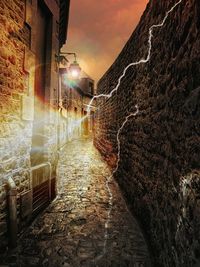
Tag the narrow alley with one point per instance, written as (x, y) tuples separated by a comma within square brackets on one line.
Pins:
[(71, 231), (127, 74)]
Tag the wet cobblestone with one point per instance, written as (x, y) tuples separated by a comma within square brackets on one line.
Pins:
[(70, 232)]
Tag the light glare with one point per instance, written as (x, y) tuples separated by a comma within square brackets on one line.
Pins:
[(74, 73)]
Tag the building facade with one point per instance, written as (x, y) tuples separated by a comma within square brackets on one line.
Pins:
[(31, 32), (77, 119)]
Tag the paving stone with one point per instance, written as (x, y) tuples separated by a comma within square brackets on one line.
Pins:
[(71, 231)]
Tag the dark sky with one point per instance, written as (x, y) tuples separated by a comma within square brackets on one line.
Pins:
[(98, 30)]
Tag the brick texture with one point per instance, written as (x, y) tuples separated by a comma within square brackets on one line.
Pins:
[(160, 153), (17, 58), (15, 139)]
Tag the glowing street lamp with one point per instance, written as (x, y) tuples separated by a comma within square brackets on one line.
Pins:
[(74, 69), (70, 74)]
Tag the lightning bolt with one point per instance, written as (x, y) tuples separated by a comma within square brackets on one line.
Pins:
[(114, 171), (141, 61)]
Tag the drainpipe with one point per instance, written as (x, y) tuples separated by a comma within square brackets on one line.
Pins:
[(50, 176), (12, 208)]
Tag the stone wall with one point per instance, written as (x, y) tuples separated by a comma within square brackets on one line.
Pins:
[(18, 39), (15, 137), (160, 153)]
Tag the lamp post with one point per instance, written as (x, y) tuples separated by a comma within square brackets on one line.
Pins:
[(73, 70)]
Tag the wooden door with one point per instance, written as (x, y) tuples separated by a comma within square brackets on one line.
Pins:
[(38, 139), (43, 184)]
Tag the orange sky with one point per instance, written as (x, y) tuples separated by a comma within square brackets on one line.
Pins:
[(98, 30)]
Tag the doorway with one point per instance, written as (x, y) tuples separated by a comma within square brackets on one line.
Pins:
[(85, 124), (41, 171)]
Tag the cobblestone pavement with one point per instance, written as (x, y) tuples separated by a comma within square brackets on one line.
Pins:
[(71, 231)]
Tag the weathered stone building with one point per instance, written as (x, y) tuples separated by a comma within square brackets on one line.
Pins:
[(160, 152), (76, 96), (31, 33)]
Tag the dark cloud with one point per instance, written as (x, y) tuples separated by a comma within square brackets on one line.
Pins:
[(99, 29)]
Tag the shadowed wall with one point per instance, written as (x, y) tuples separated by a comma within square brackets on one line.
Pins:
[(159, 167)]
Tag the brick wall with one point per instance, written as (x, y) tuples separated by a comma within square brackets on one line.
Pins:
[(15, 137), (18, 39), (159, 167)]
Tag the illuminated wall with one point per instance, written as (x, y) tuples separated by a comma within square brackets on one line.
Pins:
[(29, 98), (75, 120)]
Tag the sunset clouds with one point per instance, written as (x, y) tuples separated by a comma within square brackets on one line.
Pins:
[(98, 30)]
